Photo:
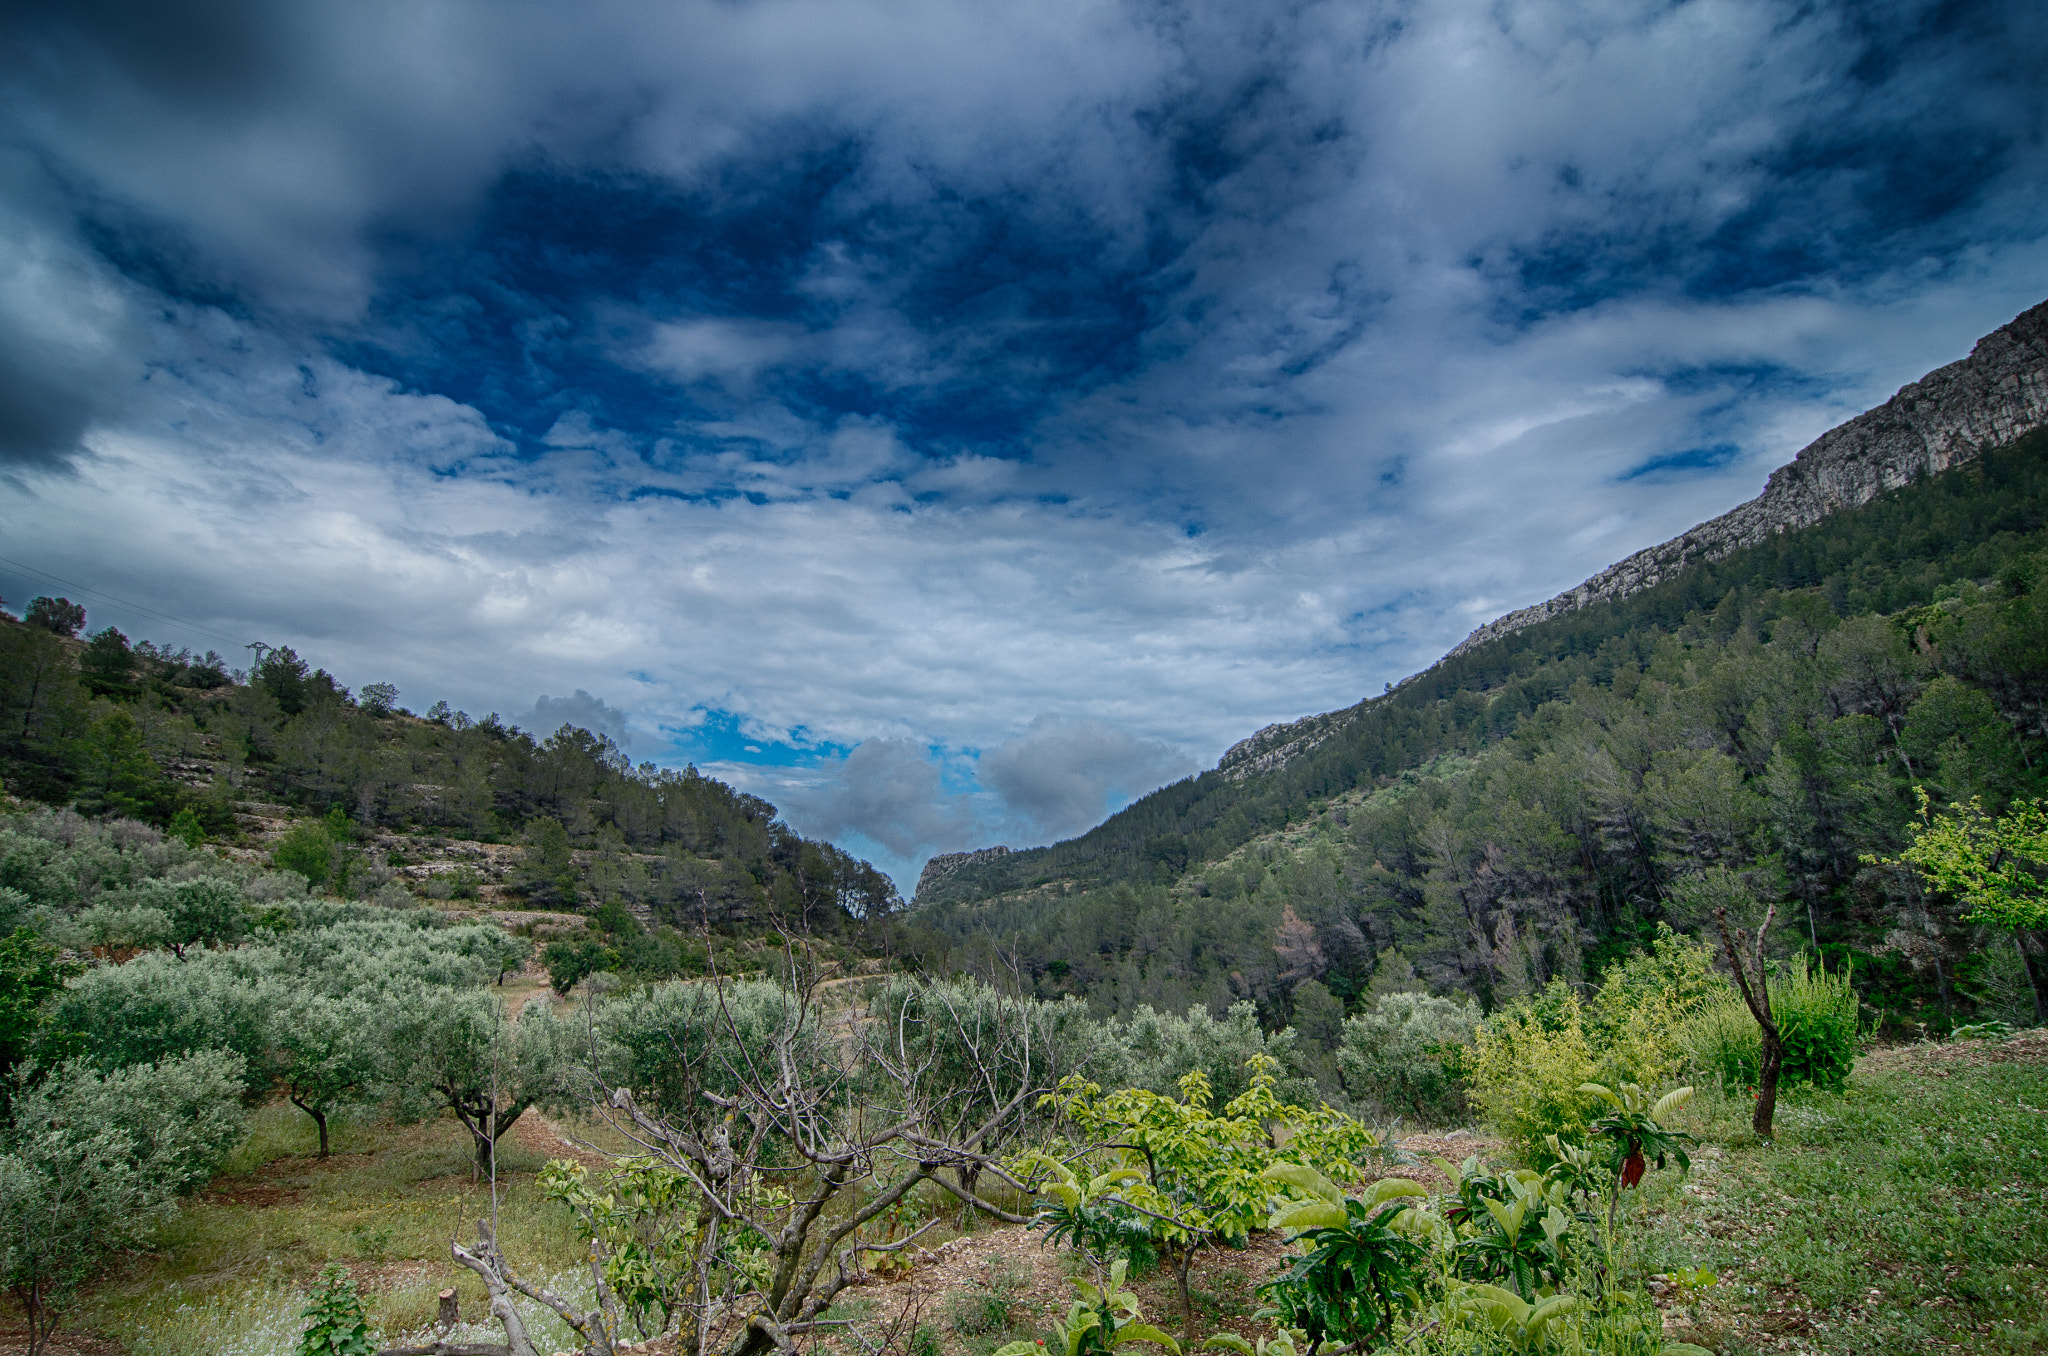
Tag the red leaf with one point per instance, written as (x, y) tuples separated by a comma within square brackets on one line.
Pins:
[(1632, 1169)]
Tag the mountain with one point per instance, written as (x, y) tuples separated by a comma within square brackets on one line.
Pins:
[(1763, 693), (1992, 397)]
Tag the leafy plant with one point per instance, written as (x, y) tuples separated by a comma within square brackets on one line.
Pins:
[(1193, 1171), (1520, 1240), (1362, 1268), (1102, 1319), (1087, 1215), (1982, 1031), (1635, 1134), (1286, 1342), (1524, 1323), (335, 1322)]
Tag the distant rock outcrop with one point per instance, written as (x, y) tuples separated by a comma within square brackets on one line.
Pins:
[(948, 863), (1995, 395), (1278, 745)]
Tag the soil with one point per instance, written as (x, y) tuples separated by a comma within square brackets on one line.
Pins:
[(2023, 1047)]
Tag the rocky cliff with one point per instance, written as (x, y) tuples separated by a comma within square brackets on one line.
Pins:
[(1993, 396), (947, 863)]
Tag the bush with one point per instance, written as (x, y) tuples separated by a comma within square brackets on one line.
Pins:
[(92, 1161), (1816, 1013), (1721, 1043), (1394, 1056), (1161, 1049), (1528, 1063)]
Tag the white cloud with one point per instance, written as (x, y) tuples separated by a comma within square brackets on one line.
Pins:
[(1355, 418)]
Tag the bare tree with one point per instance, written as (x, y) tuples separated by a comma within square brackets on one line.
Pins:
[(798, 1128), (1756, 992)]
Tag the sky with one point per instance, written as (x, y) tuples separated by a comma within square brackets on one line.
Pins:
[(952, 421)]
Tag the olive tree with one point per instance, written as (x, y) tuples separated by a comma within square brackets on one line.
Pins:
[(789, 1128), (459, 1050), (325, 1054), (93, 1160), (156, 1008)]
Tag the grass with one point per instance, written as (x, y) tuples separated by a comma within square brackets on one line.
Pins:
[(1908, 1213), (229, 1274)]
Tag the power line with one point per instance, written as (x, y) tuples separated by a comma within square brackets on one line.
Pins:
[(122, 602)]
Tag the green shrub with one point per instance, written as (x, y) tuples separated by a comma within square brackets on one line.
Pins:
[(1721, 1044), (335, 1322), (1816, 1013), (1528, 1064), (1394, 1056)]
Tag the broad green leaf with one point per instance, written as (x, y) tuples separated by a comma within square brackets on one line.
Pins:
[(1306, 1178), (1223, 1341), (1144, 1332), (1387, 1188), (1670, 1102), (1311, 1215)]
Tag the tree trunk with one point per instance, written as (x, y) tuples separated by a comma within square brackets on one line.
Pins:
[(1758, 998), (319, 1119), (1767, 1079), (2037, 977)]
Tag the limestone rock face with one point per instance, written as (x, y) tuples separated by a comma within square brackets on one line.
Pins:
[(1995, 395), (1278, 745), (947, 863)]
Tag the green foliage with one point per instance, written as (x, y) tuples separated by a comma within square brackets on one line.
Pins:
[(307, 848), (186, 828), (1102, 1319), (1525, 1324), (457, 1050), (1518, 1238), (92, 1162), (1156, 1050), (548, 875), (1362, 1268), (1634, 1133), (1394, 1057), (1816, 1012), (1994, 865), (1529, 1068), (1198, 1172), (58, 616), (1816, 1015), (30, 971), (157, 1008), (335, 1322), (641, 1219), (101, 733), (570, 961)]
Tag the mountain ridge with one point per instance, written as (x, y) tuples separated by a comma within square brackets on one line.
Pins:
[(1995, 395), (1998, 393)]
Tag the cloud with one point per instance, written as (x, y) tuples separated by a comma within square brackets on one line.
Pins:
[(887, 377), (886, 791), (1062, 775), (590, 713)]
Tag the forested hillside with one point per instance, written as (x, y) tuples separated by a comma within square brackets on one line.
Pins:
[(114, 728), (1519, 812)]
